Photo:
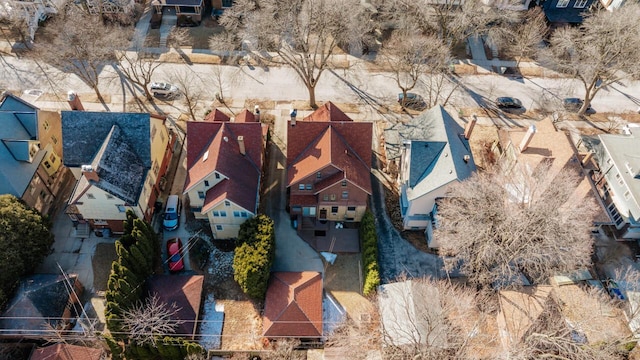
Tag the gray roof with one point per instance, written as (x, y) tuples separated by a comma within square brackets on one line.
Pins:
[(83, 134), (624, 151), (39, 299), (18, 127), (438, 148)]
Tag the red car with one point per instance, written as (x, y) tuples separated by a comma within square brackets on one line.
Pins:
[(174, 251)]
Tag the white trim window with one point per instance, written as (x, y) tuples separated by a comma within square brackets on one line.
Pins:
[(580, 4), (562, 3)]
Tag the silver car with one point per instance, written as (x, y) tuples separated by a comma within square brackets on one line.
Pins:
[(164, 90)]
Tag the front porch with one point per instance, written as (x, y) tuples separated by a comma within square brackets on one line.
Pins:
[(325, 236)]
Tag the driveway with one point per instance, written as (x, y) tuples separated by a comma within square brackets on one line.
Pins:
[(396, 255), (292, 253)]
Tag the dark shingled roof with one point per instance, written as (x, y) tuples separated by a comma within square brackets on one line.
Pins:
[(83, 134)]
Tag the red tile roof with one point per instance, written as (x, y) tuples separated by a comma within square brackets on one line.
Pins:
[(303, 200), (186, 292), (245, 116), (293, 306), (313, 146), (327, 112), (66, 352), (217, 115), (219, 141)]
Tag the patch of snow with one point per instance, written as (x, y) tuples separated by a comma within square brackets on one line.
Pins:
[(220, 263), (332, 314), (212, 319), (330, 257)]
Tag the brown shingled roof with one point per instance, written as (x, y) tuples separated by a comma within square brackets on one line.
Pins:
[(217, 115), (245, 116), (66, 352), (293, 306), (186, 292), (327, 112)]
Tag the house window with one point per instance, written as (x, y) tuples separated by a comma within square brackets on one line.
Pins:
[(301, 187), (206, 183), (217, 176), (47, 165), (90, 196), (345, 194), (562, 3), (121, 208), (627, 195), (227, 3), (216, 213), (43, 194), (580, 4), (33, 150), (109, 196), (244, 214), (344, 182), (100, 222), (219, 228), (45, 125), (308, 186), (351, 208), (153, 132), (236, 214), (333, 197), (201, 194), (223, 213), (227, 203), (54, 139), (325, 197), (334, 209), (319, 175), (619, 178)]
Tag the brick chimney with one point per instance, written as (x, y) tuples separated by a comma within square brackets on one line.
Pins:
[(74, 101), (241, 145), (527, 138), (469, 128)]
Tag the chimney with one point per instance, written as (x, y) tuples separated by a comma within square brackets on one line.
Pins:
[(466, 158), (74, 101), (256, 113), (241, 145), (527, 138), (293, 113), (469, 128), (587, 158), (87, 171)]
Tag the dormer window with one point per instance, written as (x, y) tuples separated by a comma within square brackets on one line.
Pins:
[(206, 183), (217, 176), (33, 150)]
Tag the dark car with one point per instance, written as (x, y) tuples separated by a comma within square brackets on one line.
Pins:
[(174, 253), (614, 290), (508, 103), (413, 100), (574, 104)]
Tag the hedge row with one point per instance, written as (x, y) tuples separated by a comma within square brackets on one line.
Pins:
[(254, 255), (369, 240)]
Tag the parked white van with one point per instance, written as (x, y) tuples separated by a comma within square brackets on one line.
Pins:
[(171, 219)]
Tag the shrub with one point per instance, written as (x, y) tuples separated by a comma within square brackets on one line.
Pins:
[(369, 239), (254, 256)]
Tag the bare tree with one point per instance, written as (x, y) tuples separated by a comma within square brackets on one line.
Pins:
[(82, 44), (497, 225), (190, 86), (138, 67), (18, 25), (525, 38), (146, 321), (600, 52), (304, 34), (409, 55)]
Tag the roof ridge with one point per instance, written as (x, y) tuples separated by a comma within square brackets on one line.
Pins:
[(311, 143)]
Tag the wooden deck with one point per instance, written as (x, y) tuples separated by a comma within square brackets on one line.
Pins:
[(325, 236)]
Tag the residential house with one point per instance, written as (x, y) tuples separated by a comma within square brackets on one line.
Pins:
[(33, 12), (433, 154), (119, 161), (617, 179), (612, 5), (224, 166), (185, 291), (539, 309), (329, 166), (293, 305), (561, 12), (42, 302), (191, 9), (30, 164), (63, 351)]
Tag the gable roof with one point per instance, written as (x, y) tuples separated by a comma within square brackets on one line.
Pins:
[(293, 305), (327, 112), (437, 154), (313, 146), (217, 115), (18, 132), (213, 146), (83, 134), (66, 352), (40, 300), (186, 292), (245, 116)]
